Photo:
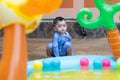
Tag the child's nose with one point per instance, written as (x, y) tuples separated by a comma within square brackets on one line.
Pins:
[(62, 27)]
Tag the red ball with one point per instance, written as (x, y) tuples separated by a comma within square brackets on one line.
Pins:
[(84, 62)]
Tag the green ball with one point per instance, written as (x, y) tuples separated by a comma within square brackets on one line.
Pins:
[(118, 64)]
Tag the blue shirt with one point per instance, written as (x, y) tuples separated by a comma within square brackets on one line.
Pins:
[(58, 41)]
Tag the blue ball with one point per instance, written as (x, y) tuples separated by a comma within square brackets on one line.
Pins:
[(46, 65), (97, 64), (55, 64)]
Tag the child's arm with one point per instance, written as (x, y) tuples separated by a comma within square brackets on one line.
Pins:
[(70, 40), (69, 37), (55, 45)]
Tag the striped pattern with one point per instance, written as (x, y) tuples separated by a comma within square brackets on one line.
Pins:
[(114, 40)]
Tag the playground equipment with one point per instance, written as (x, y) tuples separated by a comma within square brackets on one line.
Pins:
[(58, 65), (106, 20), (89, 62), (73, 62), (20, 17), (17, 18)]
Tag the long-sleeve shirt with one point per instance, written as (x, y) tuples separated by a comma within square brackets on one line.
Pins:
[(58, 41)]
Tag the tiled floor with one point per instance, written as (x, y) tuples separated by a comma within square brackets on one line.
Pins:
[(37, 47)]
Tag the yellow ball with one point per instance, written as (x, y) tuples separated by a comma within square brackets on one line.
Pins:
[(37, 65)]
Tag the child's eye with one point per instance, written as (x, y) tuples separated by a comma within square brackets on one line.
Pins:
[(64, 25), (59, 26)]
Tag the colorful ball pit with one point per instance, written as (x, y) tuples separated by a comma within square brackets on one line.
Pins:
[(73, 63)]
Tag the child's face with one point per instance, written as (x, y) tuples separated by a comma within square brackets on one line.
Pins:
[(61, 27)]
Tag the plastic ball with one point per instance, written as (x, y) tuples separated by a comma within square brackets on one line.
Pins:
[(55, 64), (106, 63), (97, 64), (84, 62), (46, 65), (118, 63), (37, 65)]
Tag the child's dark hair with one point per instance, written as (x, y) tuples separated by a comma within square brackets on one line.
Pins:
[(55, 21)]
